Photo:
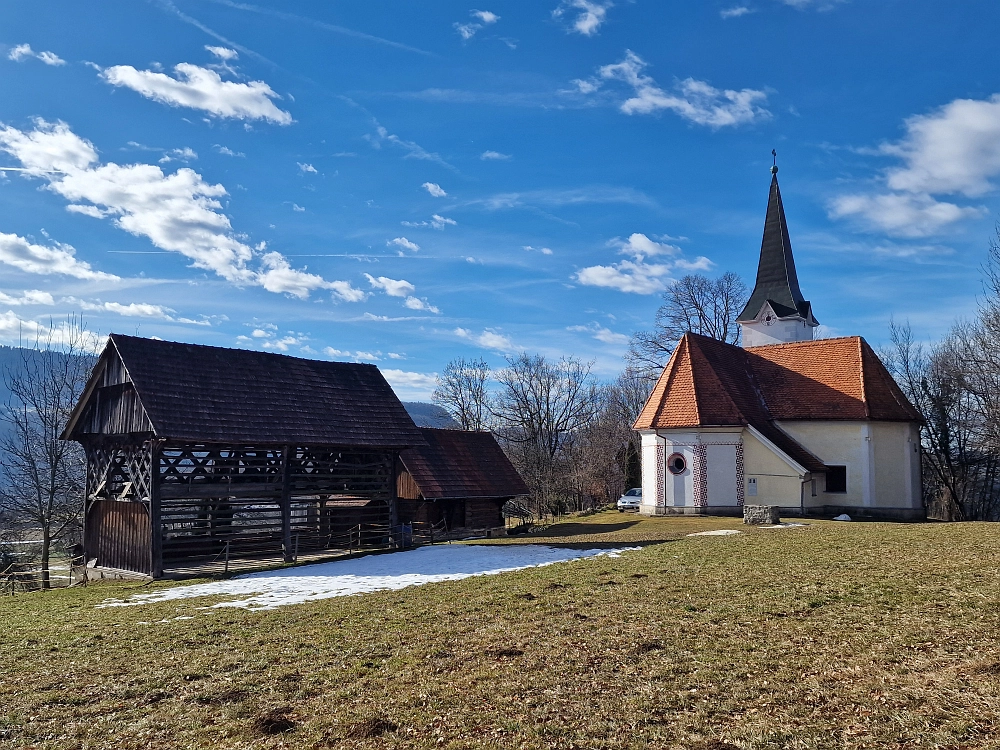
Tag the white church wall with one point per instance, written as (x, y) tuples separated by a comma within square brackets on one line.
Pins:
[(652, 490), (896, 465), (723, 485), (837, 443), (780, 332), (777, 483)]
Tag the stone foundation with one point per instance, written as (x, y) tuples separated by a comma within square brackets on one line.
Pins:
[(761, 515)]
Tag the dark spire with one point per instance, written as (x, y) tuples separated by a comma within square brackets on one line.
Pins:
[(776, 279)]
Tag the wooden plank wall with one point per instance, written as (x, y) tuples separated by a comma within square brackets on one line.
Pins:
[(483, 514), (118, 535)]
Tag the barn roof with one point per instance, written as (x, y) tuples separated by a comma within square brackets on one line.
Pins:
[(216, 395), (461, 464), (710, 383)]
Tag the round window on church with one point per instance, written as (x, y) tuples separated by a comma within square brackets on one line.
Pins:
[(676, 464)]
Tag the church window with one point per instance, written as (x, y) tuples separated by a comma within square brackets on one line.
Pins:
[(836, 479), (676, 464)]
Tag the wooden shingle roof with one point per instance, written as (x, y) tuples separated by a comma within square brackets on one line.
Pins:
[(216, 395), (461, 464), (708, 383)]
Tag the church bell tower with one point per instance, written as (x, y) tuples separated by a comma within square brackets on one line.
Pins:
[(776, 313)]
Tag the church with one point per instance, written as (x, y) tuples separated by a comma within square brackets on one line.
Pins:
[(816, 427)]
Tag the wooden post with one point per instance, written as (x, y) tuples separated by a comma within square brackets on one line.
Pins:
[(286, 504), (393, 504), (155, 523)]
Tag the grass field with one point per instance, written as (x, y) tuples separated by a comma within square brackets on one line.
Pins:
[(835, 635)]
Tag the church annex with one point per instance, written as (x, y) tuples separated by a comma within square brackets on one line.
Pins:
[(811, 426)]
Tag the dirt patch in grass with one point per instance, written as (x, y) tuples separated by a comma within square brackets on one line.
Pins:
[(369, 728), (275, 721)]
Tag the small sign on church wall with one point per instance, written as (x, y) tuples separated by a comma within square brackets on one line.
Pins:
[(752, 487)]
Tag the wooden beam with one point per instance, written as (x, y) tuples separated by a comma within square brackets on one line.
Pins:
[(155, 519), (286, 503)]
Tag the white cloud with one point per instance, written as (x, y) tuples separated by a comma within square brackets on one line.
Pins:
[(602, 334), (23, 51), (953, 150), (900, 214), (177, 212), (590, 17), (131, 310), (227, 151), (278, 276), (297, 207), (434, 189), (488, 339), (820, 5), (636, 276), (437, 222), (179, 154), (284, 343), (58, 259), (494, 156), (28, 297), (392, 287), (413, 150), (415, 303), (468, 30), (411, 386), (223, 53), (627, 276), (735, 12), (200, 88), (694, 100), (404, 243), (542, 250), (307, 168), (639, 245), (396, 355), (23, 332)]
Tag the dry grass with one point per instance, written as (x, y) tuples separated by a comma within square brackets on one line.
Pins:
[(831, 636)]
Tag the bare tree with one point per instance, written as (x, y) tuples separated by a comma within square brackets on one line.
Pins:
[(693, 303), (41, 476), (463, 390), (540, 408)]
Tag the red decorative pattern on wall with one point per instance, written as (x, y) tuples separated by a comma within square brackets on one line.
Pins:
[(700, 470), (740, 475), (660, 468)]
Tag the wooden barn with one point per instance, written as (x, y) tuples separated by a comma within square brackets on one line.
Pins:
[(197, 451), (456, 480)]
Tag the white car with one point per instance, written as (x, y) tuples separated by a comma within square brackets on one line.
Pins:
[(630, 500)]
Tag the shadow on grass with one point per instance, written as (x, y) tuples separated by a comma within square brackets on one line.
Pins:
[(579, 529)]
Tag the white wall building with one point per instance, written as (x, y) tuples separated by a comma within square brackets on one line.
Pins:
[(810, 426)]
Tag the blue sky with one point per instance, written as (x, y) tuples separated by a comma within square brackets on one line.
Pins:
[(405, 183)]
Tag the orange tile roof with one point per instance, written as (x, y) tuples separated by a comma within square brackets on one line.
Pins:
[(829, 379), (709, 383)]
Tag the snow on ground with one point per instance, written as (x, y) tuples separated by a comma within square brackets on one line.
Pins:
[(279, 588), (717, 532)]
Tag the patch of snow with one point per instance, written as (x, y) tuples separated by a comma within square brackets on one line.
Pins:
[(842, 517), (717, 532), (307, 583), (784, 526)]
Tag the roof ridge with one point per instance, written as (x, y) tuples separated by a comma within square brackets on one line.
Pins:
[(861, 375), (718, 380), (238, 349), (810, 342)]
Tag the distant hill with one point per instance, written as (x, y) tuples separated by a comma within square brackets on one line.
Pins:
[(430, 415)]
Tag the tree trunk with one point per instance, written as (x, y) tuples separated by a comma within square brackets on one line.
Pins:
[(46, 547)]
